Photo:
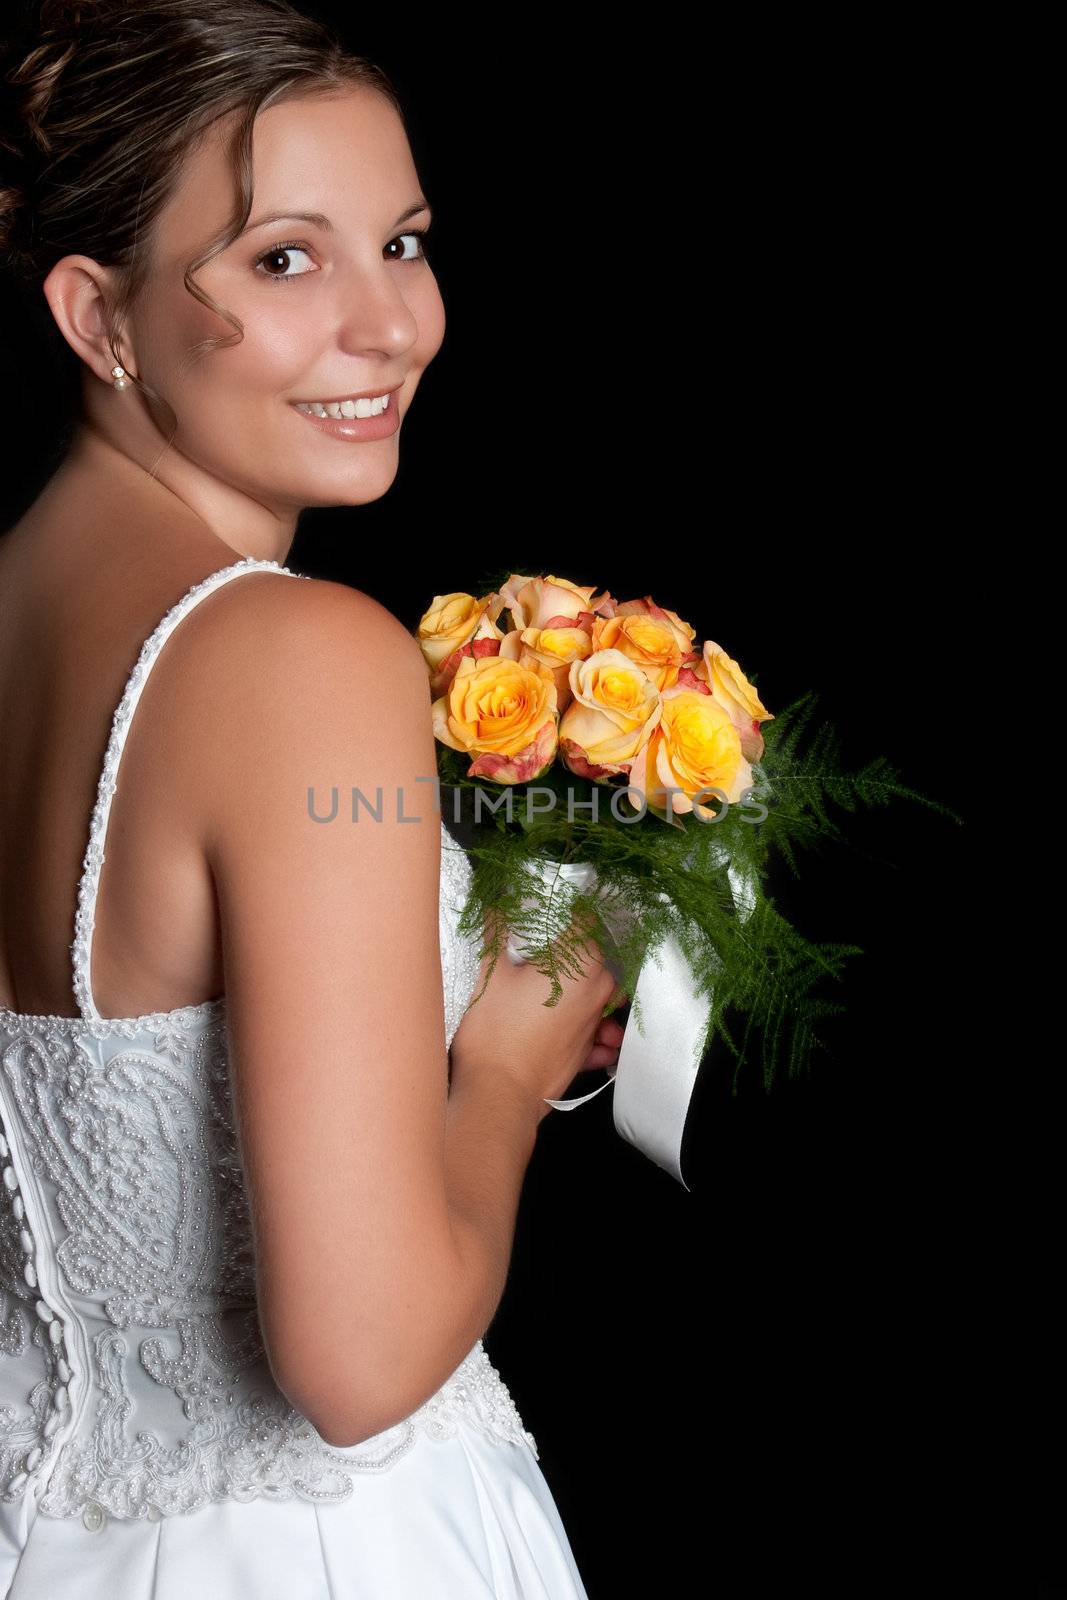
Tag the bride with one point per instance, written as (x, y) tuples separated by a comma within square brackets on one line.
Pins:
[(261, 1158)]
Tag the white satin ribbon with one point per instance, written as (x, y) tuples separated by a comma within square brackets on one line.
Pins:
[(656, 1071)]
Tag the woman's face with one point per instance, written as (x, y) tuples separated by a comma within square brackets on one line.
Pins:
[(335, 308)]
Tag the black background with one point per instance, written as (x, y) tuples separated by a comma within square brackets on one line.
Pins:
[(702, 342)]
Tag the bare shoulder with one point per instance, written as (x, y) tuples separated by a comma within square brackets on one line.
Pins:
[(294, 664), (310, 625)]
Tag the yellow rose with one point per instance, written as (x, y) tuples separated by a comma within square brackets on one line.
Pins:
[(648, 608), (695, 746), (657, 640), (614, 709), (456, 625), (503, 715), (550, 602), (731, 689), (552, 648)]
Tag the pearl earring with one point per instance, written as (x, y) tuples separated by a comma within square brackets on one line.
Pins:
[(119, 376)]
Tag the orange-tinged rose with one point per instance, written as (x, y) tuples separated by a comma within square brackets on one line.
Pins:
[(659, 642), (695, 746), (728, 686), (613, 712), (503, 714), (456, 625), (647, 607), (552, 648), (551, 602)]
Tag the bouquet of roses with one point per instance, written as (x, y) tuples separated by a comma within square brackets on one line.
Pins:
[(626, 783)]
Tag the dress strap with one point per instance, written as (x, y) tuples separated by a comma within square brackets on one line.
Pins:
[(85, 914)]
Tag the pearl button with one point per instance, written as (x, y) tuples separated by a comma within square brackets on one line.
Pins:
[(29, 1272), (10, 1179), (55, 1331), (44, 1311), (93, 1516), (3, 1147), (34, 1456)]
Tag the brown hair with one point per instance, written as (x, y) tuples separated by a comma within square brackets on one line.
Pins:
[(105, 99)]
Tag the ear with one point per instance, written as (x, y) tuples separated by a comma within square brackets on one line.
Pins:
[(77, 289)]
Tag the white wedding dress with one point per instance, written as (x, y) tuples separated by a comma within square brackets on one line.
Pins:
[(145, 1450)]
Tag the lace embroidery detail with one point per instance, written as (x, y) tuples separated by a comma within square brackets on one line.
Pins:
[(130, 1149), (27, 1443), (149, 1388), (269, 1450), (93, 860), (137, 1160)]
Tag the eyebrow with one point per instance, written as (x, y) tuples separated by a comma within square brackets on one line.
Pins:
[(323, 222)]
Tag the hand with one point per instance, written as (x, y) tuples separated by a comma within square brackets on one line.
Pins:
[(509, 1032)]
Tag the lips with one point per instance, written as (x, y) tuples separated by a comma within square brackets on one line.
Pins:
[(356, 429)]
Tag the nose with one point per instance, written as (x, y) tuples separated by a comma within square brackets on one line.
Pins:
[(375, 316)]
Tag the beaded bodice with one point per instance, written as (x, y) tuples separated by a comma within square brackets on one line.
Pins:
[(133, 1376)]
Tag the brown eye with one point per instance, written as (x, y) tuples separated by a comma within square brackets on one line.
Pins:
[(419, 253), (281, 255)]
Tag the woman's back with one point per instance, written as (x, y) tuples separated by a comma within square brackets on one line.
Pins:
[(133, 1380)]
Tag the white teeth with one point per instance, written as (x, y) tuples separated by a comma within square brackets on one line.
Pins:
[(345, 408)]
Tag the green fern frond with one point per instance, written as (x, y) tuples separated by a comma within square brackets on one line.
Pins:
[(758, 974)]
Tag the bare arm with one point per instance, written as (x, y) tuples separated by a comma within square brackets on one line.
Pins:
[(383, 1212)]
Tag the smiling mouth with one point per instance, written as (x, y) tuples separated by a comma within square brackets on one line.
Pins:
[(365, 406)]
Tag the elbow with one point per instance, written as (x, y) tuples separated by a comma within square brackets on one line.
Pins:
[(340, 1418), (344, 1427), (317, 1380), (345, 1434), (342, 1435)]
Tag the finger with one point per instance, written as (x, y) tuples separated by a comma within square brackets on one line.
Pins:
[(610, 1032), (601, 1055)]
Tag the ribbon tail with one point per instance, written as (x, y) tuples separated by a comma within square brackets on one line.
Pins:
[(569, 1105), (657, 1072)]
